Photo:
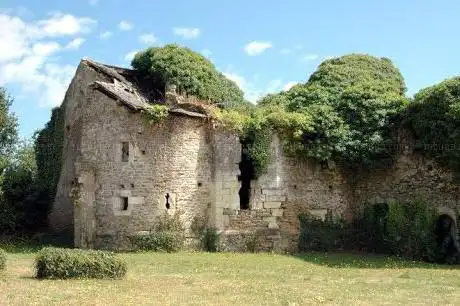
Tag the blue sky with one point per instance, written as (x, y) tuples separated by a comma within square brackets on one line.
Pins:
[(264, 46)]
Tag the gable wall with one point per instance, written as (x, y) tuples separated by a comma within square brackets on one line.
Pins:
[(168, 158)]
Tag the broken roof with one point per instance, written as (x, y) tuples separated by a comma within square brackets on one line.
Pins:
[(136, 92)]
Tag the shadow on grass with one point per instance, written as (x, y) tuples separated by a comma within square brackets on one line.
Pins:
[(35, 244), (367, 261)]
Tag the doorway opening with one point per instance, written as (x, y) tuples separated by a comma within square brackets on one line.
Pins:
[(447, 237), (246, 166)]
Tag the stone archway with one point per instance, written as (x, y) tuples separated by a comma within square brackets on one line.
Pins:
[(446, 232)]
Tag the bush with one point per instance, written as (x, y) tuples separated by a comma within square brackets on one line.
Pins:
[(252, 242), (75, 263), (167, 235), (161, 241), (319, 235), (411, 230), (210, 240), (403, 229), (2, 259)]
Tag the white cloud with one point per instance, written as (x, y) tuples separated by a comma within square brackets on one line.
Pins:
[(187, 33), (257, 47), (147, 38), (75, 43), (125, 25), (30, 60), (309, 57), (252, 92), (64, 24), (93, 2), (130, 55), (44, 49), (105, 35), (289, 85)]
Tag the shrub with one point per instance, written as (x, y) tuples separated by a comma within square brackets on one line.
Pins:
[(411, 230), (2, 259), (404, 229), (161, 241), (75, 263), (319, 235), (252, 242), (156, 113), (210, 239), (167, 235)]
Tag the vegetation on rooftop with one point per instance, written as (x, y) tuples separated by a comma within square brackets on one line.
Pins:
[(189, 71)]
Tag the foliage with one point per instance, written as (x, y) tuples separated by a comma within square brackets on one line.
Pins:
[(210, 239), (156, 113), (159, 241), (23, 205), (252, 242), (2, 259), (404, 229), (190, 71), (59, 263), (8, 129), (411, 230), (347, 105), (319, 235), (434, 116), (48, 151), (167, 235)]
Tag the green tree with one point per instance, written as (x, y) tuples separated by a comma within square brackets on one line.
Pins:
[(190, 71), (350, 101), (8, 129), (434, 116)]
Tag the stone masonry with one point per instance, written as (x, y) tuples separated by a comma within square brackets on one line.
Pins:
[(120, 172)]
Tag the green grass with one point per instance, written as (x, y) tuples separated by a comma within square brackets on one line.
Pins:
[(241, 279)]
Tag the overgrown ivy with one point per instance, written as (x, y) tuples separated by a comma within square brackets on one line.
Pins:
[(156, 113), (48, 152), (434, 116)]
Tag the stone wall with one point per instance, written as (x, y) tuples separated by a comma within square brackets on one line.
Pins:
[(61, 217), (187, 166), (292, 186), (168, 165), (288, 188), (411, 176)]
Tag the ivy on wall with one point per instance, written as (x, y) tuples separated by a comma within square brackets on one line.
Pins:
[(48, 152)]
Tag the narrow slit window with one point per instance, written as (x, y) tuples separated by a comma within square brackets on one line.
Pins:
[(125, 151), (124, 203)]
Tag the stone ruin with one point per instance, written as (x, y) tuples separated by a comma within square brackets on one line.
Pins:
[(119, 172)]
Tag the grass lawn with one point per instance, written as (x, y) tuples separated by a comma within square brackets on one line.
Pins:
[(241, 279)]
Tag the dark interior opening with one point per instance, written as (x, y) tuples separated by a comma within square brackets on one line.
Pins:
[(247, 174), (125, 151), (124, 203), (167, 201), (446, 236)]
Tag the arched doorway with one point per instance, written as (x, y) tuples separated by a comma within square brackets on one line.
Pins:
[(447, 238)]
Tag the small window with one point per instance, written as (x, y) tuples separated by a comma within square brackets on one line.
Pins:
[(125, 151), (124, 203)]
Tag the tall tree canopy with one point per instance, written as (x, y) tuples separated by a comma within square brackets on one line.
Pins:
[(434, 116), (8, 129), (350, 101), (190, 71)]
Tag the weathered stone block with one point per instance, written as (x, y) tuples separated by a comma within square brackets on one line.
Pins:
[(273, 225), (272, 204), (273, 192), (276, 198), (277, 212)]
